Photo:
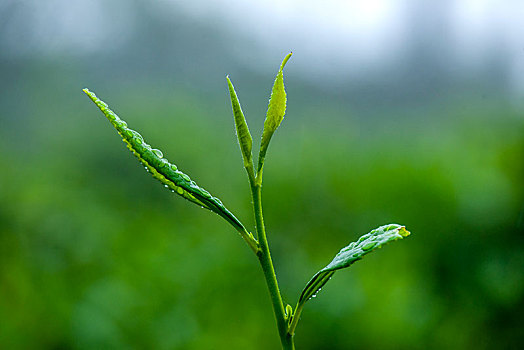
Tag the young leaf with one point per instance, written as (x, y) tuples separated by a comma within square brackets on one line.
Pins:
[(347, 256), (352, 253), (244, 136), (164, 171), (275, 112)]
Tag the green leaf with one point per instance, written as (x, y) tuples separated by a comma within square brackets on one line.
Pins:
[(350, 254), (164, 171), (275, 112), (243, 135)]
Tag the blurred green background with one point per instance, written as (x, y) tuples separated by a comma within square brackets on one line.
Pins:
[(397, 112)]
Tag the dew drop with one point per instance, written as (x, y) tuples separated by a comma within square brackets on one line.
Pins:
[(369, 245), (158, 153), (185, 177), (173, 166), (137, 136), (180, 190), (166, 186), (165, 164)]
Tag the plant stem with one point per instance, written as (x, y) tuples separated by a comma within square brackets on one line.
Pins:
[(266, 263)]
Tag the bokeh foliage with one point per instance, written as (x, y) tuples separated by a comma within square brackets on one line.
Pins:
[(94, 253)]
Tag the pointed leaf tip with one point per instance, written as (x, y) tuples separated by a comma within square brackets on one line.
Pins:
[(403, 232), (288, 56)]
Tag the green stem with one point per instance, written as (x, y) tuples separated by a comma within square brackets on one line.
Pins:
[(266, 263)]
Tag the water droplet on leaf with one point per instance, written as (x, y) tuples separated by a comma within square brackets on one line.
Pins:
[(369, 245), (158, 153)]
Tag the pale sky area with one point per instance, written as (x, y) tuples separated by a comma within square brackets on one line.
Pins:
[(334, 37), (365, 31)]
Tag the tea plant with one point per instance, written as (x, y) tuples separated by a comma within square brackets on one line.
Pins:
[(180, 183)]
